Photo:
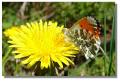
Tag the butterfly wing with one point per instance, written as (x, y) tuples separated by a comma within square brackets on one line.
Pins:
[(83, 34)]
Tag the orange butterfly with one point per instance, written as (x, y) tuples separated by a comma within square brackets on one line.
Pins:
[(85, 33)]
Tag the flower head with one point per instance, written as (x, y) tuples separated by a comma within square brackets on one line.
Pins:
[(41, 41)]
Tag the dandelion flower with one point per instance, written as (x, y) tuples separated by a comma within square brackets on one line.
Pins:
[(43, 42)]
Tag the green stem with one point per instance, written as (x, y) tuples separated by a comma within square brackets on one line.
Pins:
[(104, 42), (111, 47), (4, 60)]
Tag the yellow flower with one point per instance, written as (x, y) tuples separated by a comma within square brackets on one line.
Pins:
[(41, 41)]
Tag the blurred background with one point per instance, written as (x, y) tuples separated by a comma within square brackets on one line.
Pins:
[(65, 13)]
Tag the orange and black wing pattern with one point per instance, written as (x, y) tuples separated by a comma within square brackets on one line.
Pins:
[(91, 25)]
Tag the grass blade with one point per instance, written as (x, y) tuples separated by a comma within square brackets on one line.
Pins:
[(104, 58), (111, 46)]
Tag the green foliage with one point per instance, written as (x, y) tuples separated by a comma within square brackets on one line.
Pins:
[(67, 14)]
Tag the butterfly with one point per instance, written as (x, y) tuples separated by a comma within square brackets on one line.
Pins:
[(85, 33)]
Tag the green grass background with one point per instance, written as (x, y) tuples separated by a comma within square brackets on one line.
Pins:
[(65, 14)]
